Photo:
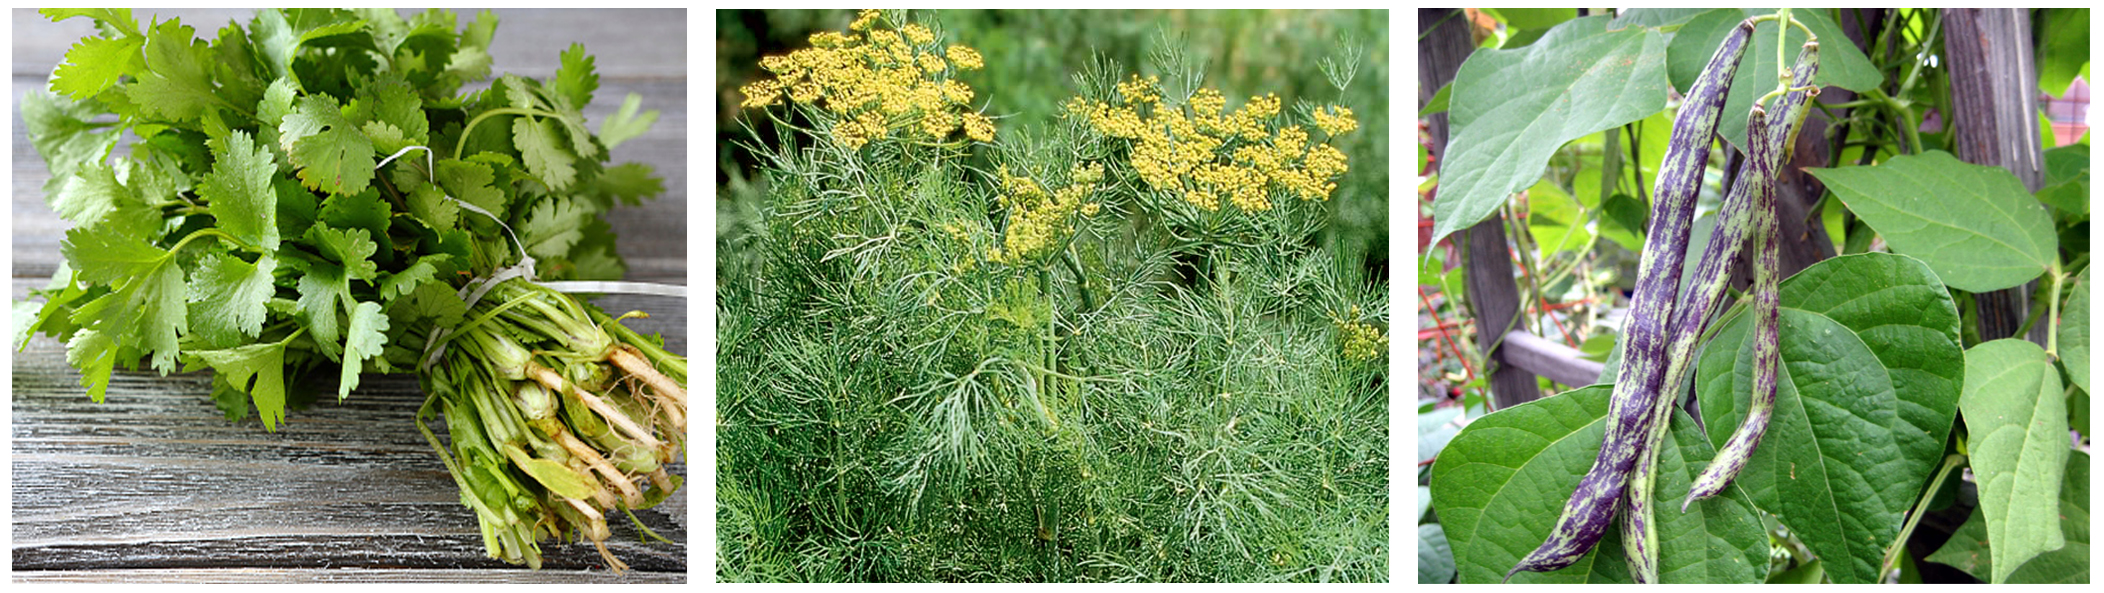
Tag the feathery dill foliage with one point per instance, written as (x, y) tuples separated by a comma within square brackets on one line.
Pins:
[(1107, 344)]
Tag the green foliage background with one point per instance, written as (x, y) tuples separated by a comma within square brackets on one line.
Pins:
[(875, 423)]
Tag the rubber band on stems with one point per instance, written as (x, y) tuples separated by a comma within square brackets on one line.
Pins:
[(474, 290)]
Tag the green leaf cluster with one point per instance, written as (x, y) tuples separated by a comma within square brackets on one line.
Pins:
[(250, 228)]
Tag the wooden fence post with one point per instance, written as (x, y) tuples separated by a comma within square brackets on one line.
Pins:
[(1444, 43), (1994, 104)]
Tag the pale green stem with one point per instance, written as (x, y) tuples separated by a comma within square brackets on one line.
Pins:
[(1920, 508), (468, 131)]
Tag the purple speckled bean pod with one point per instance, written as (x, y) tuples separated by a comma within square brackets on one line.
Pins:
[(1592, 505), (1767, 278)]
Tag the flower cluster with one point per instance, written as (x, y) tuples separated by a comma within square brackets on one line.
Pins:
[(1361, 340), (1207, 155), (877, 81), (1038, 220)]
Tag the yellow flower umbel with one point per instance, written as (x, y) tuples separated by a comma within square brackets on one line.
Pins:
[(1039, 220), (876, 81), (1207, 155), (1360, 340)]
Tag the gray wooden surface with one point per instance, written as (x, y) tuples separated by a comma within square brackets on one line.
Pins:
[(155, 485)]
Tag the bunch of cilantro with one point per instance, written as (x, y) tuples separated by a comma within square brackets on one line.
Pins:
[(234, 207)]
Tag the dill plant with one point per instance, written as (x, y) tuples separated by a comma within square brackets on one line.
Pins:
[(1113, 343)]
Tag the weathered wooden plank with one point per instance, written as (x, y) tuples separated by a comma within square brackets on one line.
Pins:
[(1994, 106), (340, 575), (1560, 363), (155, 484)]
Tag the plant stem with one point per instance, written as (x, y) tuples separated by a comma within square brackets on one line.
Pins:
[(2053, 304), (469, 130), (1920, 507)]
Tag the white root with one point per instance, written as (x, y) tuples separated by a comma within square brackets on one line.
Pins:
[(626, 357), (548, 378)]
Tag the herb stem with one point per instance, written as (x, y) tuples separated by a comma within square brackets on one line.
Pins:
[(2053, 304), (1920, 507), (469, 130)]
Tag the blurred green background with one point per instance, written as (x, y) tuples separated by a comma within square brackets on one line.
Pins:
[(1032, 56)]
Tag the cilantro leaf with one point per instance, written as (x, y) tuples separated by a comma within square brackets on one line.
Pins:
[(321, 288), (390, 112), (119, 19), (366, 337), (574, 78), (278, 33), (63, 133), (351, 247), (544, 155), (239, 190), (429, 205), (144, 309), (362, 210), (92, 197), (425, 270), (174, 84), (259, 371), (624, 124), (94, 64), (627, 183), (472, 181), (331, 154), (96, 356), (471, 63), (553, 226), (228, 297)]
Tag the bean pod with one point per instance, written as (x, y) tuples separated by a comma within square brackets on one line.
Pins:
[(1767, 280), (1592, 505)]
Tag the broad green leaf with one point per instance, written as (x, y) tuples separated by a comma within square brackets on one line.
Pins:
[(2066, 186), (1626, 219), (2017, 421), (2063, 47), (1438, 102), (364, 338), (1511, 109), (1536, 18), (1974, 225), (239, 190), (1435, 560), (330, 152), (2073, 340), (1655, 17), (1555, 219), (1903, 312), (94, 64), (227, 297), (1969, 549), (625, 124), (1502, 482), (175, 83), (1829, 466), (1840, 63), (257, 370)]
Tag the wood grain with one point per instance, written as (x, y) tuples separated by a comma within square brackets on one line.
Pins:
[(156, 486)]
